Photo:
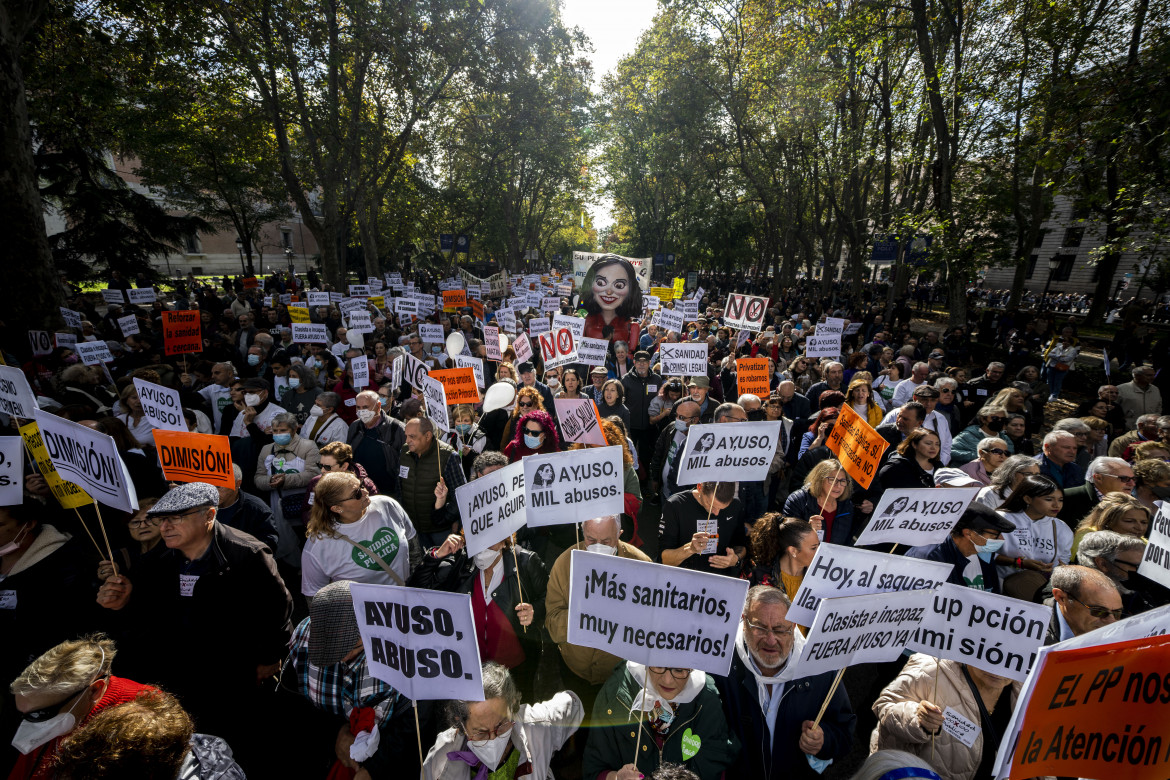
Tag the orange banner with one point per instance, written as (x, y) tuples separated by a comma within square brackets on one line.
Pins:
[(857, 445), (453, 300), (195, 457), (1099, 712), (458, 384), (751, 375), (182, 332)]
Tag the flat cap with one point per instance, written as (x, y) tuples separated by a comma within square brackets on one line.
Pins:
[(185, 497), (333, 626)]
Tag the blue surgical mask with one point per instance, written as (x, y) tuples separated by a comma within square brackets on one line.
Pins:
[(253, 360), (282, 438), (531, 442), (989, 548), (681, 426), (294, 382), (463, 428)]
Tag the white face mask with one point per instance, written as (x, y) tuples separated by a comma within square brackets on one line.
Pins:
[(553, 384), (485, 558), (316, 411), (30, 736), (252, 399), (365, 415), (490, 751), (604, 549), (14, 545)]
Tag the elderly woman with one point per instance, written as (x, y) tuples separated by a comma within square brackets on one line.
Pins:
[(989, 422), (534, 433), (283, 470), (323, 424), (352, 535), (1117, 512), (824, 502), (910, 714), (992, 454), (495, 736), (1005, 479), (659, 702)]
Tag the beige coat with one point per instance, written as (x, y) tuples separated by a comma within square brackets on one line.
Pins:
[(593, 666), (898, 728)]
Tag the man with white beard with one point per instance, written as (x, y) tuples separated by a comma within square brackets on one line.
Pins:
[(777, 717)]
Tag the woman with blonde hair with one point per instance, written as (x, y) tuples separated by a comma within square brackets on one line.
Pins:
[(355, 536), (859, 395), (506, 370), (1117, 512), (824, 502)]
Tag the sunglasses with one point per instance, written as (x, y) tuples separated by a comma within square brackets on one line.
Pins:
[(1098, 612), (527, 404), (998, 451), (531, 432)]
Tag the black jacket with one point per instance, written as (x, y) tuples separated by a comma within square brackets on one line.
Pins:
[(948, 552), (391, 434), (804, 504), (1078, 503), (903, 472), (638, 397), (254, 517)]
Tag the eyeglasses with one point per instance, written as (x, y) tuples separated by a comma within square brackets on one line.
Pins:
[(841, 482), (678, 674), (139, 523), (1098, 612), (503, 727), (157, 520), (774, 403), (359, 493), (1126, 566), (780, 633), (736, 419), (998, 451), (1130, 480)]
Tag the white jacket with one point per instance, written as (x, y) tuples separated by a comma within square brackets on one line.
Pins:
[(540, 731)]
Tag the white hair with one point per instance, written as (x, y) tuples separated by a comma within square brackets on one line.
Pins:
[(1102, 465)]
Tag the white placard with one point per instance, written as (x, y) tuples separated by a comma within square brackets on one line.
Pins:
[(654, 614), (348, 305), (592, 352), (415, 371), (668, 319), (11, 471), (507, 319), (1155, 563), (851, 328), (72, 318), (336, 297), (89, 458), (745, 311), (360, 366), (916, 516), (436, 403), (492, 507), (406, 306), (651, 302), (359, 291), (574, 486), (830, 326), (396, 373), (491, 342), (431, 334), (360, 321), (161, 406), (41, 342), (142, 295), (858, 630), (538, 325), (286, 298), (849, 571), (113, 296), (128, 325), (823, 346), (955, 724), (68, 340), (316, 299), (16, 396), (690, 311), (475, 364), (557, 348), (728, 452), (421, 642), (94, 353), (575, 324), (997, 634), (687, 358), (523, 348), (550, 304), (309, 333)]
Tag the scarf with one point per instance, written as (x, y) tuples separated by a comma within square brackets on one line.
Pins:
[(661, 711)]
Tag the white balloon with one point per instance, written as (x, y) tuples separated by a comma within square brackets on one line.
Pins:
[(356, 339), (503, 343), (498, 396), (455, 343)]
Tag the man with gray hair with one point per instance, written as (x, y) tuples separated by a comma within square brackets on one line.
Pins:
[(983, 388), (1141, 396), (1083, 599), (427, 481), (377, 440), (905, 389), (1118, 557), (834, 380), (1104, 475), (773, 716), (1146, 430), (245, 512), (1058, 461)]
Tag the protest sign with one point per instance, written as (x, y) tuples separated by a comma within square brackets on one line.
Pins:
[(195, 457), (507, 319), (182, 332), (89, 458), (492, 507), (359, 291), (850, 571), (651, 303), (298, 315), (669, 319), (997, 634), (688, 358), (336, 297), (831, 325), (550, 303), (654, 614), (41, 342), (851, 328), (859, 630), (751, 376), (436, 403), (538, 325), (727, 452), (574, 486), (680, 286), (857, 445), (916, 516), (576, 325), (742, 337), (142, 295), (315, 299), (310, 334), (94, 353), (821, 346), (458, 385), (557, 348), (454, 300), (68, 494), (396, 373), (68, 340), (431, 334), (592, 352), (160, 406), (1097, 712), (690, 311), (579, 421), (415, 371), (422, 642), (377, 301), (491, 342), (11, 471), (351, 305), (745, 311), (359, 366), (476, 366), (361, 322), (16, 396), (957, 725), (663, 294), (1155, 563), (523, 348), (72, 318), (406, 306), (113, 296), (128, 325)]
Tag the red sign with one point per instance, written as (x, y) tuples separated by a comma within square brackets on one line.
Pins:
[(182, 332)]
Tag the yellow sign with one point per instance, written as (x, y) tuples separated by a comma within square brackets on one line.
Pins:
[(378, 300), (297, 314), (68, 495), (680, 286), (664, 294)]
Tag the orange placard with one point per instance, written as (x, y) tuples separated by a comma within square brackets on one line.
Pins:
[(251, 282), (857, 445), (195, 457), (751, 376), (182, 332), (1099, 712), (477, 309), (453, 300), (458, 384)]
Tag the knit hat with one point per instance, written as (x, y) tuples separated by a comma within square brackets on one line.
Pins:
[(333, 624)]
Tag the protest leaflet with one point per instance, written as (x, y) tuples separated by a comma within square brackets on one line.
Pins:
[(857, 445), (421, 642), (491, 342), (576, 325), (72, 318), (458, 384), (507, 319), (850, 571), (41, 342), (16, 396), (113, 296), (916, 516), (574, 486), (195, 457), (315, 299), (538, 325), (88, 457), (160, 406), (523, 348), (741, 451), (361, 322), (654, 614), (592, 352), (492, 507), (415, 371), (580, 422), (687, 358), (68, 495), (360, 367), (142, 295), (997, 634), (297, 314), (310, 333), (1156, 559), (67, 340), (820, 345), (745, 311), (182, 332), (859, 630), (752, 377)]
